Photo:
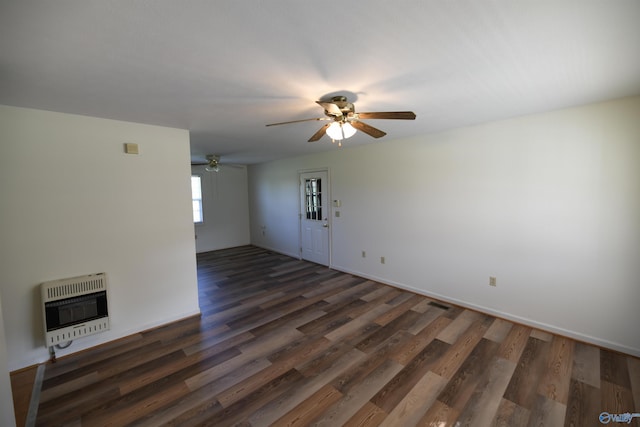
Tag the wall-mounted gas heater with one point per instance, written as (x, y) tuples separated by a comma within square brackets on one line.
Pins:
[(74, 308)]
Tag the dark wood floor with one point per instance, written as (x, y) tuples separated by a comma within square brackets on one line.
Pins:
[(286, 342), (21, 388)]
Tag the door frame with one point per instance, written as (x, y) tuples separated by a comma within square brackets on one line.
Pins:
[(328, 207)]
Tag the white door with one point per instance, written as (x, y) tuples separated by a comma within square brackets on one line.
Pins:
[(314, 217)]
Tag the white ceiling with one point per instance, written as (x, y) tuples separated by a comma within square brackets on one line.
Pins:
[(224, 69)]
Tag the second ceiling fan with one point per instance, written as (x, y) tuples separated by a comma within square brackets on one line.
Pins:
[(344, 121)]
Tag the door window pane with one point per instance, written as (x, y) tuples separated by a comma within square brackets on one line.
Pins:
[(313, 192)]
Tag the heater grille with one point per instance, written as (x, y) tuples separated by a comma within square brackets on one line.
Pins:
[(73, 286), (74, 307)]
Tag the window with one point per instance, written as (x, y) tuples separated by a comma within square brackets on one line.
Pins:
[(196, 196), (313, 192)]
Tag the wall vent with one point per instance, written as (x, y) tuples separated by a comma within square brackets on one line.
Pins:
[(74, 307)]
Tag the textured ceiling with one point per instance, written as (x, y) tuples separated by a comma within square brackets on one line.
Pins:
[(224, 69)]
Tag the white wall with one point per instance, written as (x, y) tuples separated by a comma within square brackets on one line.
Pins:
[(7, 416), (549, 204), (225, 208), (274, 204), (74, 203)]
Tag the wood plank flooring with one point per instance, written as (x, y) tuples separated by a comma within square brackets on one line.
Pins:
[(286, 342), (21, 388)]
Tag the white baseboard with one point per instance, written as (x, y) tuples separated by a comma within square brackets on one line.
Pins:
[(501, 314)]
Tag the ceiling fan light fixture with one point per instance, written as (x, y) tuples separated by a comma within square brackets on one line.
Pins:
[(339, 131)]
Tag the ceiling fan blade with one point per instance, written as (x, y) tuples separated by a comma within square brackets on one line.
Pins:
[(369, 130), (393, 115), (316, 136), (331, 108), (298, 121)]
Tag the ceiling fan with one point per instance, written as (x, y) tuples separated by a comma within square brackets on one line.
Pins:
[(213, 163), (345, 121)]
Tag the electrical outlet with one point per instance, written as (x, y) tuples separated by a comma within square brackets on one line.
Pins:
[(382, 260), (364, 254), (492, 281)]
